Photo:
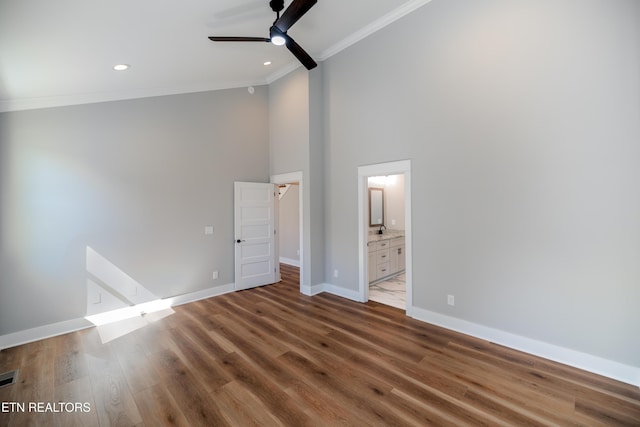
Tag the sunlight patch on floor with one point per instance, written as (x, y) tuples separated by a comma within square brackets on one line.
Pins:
[(116, 303)]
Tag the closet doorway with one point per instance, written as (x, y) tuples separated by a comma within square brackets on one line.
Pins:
[(291, 213)]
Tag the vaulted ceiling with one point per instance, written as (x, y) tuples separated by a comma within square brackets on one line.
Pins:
[(62, 52)]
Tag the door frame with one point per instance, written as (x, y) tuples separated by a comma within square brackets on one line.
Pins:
[(288, 178), (402, 167)]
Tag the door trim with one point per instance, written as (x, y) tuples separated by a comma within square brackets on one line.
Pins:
[(288, 178), (402, 167)]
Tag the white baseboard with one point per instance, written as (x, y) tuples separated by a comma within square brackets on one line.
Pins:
[(312, 290), (598, 365), (608, 368), (203, 294), (42, 332), (353, 295), (67, 326), (290, 261)]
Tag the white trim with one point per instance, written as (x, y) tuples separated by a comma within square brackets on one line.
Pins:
[(402, 167), (376, 25), (290, 261), (203, 294), (286, 178), (354, 38), (292, 66), (312, 290), (618, 371), (67, 326), (42, 332), (351, 294), (386, 168), (20, 104)]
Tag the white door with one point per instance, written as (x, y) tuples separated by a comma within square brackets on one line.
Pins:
[(255, 220)]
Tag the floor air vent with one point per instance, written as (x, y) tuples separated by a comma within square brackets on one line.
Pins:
[(8, 378)]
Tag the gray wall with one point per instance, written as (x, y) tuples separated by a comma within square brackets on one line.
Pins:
[(522, 122), (296, 131), (289, 228), (137, 181)]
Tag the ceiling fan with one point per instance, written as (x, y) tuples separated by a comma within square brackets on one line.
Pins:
[(278, 31)]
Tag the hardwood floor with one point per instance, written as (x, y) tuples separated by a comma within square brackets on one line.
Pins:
[(272, 356)]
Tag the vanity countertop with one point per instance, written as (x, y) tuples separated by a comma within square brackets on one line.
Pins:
[(374, 237)]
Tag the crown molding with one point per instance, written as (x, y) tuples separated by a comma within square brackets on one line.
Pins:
[(354, 38), (292, 66), (21, 104), (376, 25)]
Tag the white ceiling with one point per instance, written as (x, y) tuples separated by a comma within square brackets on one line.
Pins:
[(62, 52)]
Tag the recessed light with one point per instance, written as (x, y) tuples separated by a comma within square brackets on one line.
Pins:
[(267, 63), (121, 67)]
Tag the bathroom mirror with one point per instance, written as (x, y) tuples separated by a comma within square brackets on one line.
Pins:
[(376, 206)]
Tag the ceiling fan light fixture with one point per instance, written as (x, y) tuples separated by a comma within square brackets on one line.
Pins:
[(277, 37), (278, 40)]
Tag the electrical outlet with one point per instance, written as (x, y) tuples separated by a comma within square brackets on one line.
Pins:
[(451, 300), (335, 273), (215, 275), (208, 229)]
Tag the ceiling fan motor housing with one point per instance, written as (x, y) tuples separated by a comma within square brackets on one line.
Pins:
[(276, 5)]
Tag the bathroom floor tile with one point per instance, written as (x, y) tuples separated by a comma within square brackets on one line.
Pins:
[(390, 292)]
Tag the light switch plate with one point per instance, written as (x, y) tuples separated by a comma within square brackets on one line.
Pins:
[(208, 229)]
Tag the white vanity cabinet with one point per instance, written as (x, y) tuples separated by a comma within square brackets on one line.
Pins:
[(396, 255), (386, 257), (371, 246)]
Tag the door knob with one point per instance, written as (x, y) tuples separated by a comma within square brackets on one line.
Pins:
[(239, 241)]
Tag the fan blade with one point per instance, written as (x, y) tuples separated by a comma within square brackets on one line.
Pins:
[(239, 39), (299, 53), (293, 13)]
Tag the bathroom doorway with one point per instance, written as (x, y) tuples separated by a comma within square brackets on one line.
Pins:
[(385, 258)]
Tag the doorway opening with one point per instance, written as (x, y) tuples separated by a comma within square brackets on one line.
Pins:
[(385, 240), (290, 229), (386, 247)]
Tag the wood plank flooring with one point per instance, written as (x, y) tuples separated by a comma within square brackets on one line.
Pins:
[(273, 357)]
